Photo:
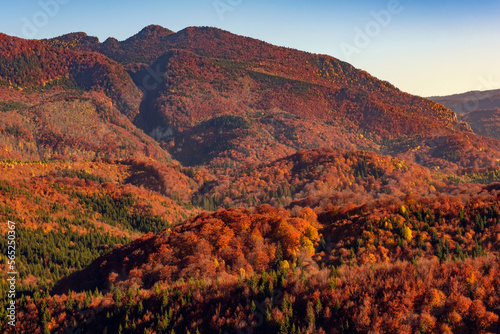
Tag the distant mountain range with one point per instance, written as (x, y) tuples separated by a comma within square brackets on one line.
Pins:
[(480, 109), (470, 101)]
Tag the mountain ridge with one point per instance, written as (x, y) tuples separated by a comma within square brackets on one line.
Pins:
[(210, 73), (470, 101)]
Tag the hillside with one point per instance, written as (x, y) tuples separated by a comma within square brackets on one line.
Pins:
[(68, 124), (374, 215), (266, 265)]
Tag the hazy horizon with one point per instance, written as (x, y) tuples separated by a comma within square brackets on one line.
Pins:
[(422, 47)]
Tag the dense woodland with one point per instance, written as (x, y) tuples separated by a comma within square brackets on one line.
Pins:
[(203, 182)]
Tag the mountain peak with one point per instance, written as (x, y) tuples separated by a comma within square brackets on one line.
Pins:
[(73, 35), (153, 30), (78, 40)]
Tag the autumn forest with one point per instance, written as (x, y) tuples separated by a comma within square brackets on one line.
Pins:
[(204, 182)]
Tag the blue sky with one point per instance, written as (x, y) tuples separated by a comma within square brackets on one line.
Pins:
[(423, 47)]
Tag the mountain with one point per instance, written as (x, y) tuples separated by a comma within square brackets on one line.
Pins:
[(479, 109), (470, 101), (484, 122), (143, 47), (62, 103), (28, 64), (201, 181), (211, 97)]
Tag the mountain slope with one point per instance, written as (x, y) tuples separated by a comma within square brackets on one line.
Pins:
[(339, 86), (479, 109), (209, 73), (62, 103), (484, 122), (29, 64), (212, 97)]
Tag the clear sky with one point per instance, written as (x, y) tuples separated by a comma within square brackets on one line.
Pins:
[(424, 47)]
